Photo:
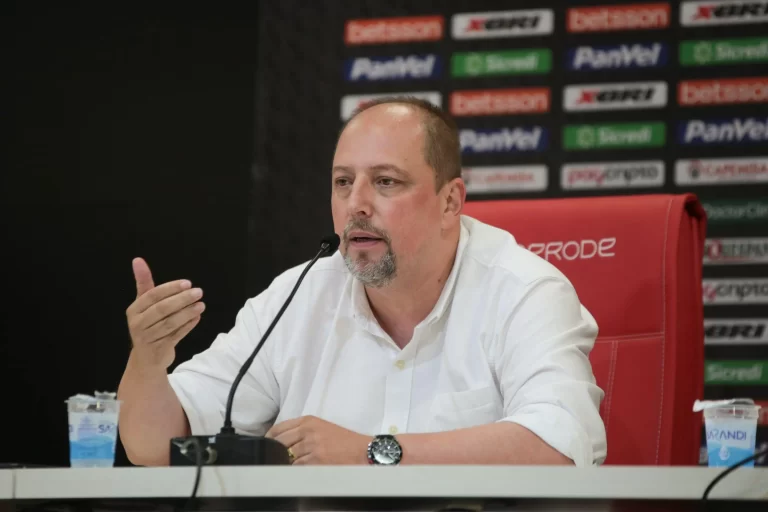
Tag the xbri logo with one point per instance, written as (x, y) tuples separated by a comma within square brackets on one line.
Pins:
[(633, 95), (571, 250), (709, 12), (735, 291), (484, 25), (505, 140), (392, 68), (739, 130), (743, 331), (619, 56)]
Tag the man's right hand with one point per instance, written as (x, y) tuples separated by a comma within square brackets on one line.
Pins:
[(160, 316)]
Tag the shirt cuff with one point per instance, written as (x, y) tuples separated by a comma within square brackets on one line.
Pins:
[(558, 429), (200, 409)]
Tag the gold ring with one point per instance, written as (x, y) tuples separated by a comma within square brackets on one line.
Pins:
[(291, 456)]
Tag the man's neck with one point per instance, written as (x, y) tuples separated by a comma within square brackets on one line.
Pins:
[(404, 303)]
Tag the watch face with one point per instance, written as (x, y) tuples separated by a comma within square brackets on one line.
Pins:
[(387, 451)]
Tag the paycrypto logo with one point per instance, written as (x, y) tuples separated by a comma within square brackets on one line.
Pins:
[(736, 332), (723, 91), (572, 250), (738, 130), (622, 96), (708, 12), (400, 67), (504, 140), (618, 17), (485, 25), (602, 175), (394, 30), (735, 251), (713, 171), (617, 56), (734, 291)]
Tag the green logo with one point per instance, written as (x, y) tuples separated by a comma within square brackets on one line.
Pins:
[(507, 62), (736, 373), (724, 51), (733, 211), (614, 136)]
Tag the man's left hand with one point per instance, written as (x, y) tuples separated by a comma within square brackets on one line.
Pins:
[(315, 441)]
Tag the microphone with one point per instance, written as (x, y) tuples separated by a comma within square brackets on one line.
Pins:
[(228, 448)]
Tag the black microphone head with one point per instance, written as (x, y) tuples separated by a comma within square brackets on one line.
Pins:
[(332, 242)]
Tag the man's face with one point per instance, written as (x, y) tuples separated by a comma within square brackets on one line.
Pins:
[(384, 204)]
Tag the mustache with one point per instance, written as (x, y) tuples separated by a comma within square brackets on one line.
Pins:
[(364, 225)]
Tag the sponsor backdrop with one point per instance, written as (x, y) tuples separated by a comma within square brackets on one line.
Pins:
[(557, 99)]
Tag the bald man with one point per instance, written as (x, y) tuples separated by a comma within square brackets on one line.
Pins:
[(428, 338)]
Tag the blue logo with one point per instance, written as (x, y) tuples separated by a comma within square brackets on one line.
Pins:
[(737, 130), (400, 67), (504, 140), (617, 56)]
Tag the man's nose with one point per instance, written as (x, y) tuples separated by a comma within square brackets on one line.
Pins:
[(360, 199)]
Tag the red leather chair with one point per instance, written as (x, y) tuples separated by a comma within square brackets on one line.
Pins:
[(635, 262)]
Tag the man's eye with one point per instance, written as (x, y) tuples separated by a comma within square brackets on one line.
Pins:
[(341, 182), (387, 182)]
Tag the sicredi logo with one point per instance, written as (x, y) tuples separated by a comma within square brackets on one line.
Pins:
[(713, 171), (400, 67), (501, 63), (735, 251), (738, 130), (709, 12), (736, 372), (742, 331), (504, 140), (617, 56), (484, 25), (510, 178), (394, 30), (723, 51), (532, 100), (572, 250), (614, 136), (735, 291), (351, 103), (606, 175), (622, 96), (618, 17), (736, 211), (723, 91)]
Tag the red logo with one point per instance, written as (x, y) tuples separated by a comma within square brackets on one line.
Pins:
[(618, 17), (500, 101), (723, 91), (394, 30)]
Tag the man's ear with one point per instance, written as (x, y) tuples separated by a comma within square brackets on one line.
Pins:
[(455, 196)]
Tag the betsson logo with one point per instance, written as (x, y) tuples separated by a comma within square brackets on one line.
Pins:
[(483, 25), (633, 95), (572, 250), (394, 30), (618, 17), (723, 91), (722, 13), (500, 101)]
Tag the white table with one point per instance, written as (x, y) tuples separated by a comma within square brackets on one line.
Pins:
[(538, 487), (6, 484)]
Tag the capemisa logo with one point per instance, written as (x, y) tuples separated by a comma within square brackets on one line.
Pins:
[(400, 67), (504, 140), (617, 56), (738, 130), (711, 171)]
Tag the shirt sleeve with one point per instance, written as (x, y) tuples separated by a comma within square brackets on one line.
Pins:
[(202, 384), (545, 374)]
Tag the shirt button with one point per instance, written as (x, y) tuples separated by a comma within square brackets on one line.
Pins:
[(393, 430), (400, 364)]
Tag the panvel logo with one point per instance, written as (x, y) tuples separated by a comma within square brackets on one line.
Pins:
[(392, 68), (352, 102), (394, 30), (617, 56), (738, 130), (736, 372), (532, 100), (622, 96), (736, 211), (724, 51), (485, 25), (504, 140), (606, 175), (614, 136), (618, 17), (723, 91), (744, 331), (501, 63), (572, 250), (735, 251), (734, 291), (701, 13), (509, 178), (713, 171)]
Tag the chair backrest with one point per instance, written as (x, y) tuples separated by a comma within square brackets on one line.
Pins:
[(636, 263)]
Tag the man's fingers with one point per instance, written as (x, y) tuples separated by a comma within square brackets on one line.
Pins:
[(143, 277), (179, 334), (278, 429), (170, 324), (167, 307), (290, 438), (157, 294)]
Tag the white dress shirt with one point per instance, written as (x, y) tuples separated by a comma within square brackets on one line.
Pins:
[(508, 340)]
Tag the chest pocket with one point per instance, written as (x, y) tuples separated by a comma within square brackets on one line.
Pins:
[(463, 409)]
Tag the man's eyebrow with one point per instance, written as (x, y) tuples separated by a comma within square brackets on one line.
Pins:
[(378, 167)]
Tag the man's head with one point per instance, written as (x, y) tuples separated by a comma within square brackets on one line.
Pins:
[(397, 191)]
